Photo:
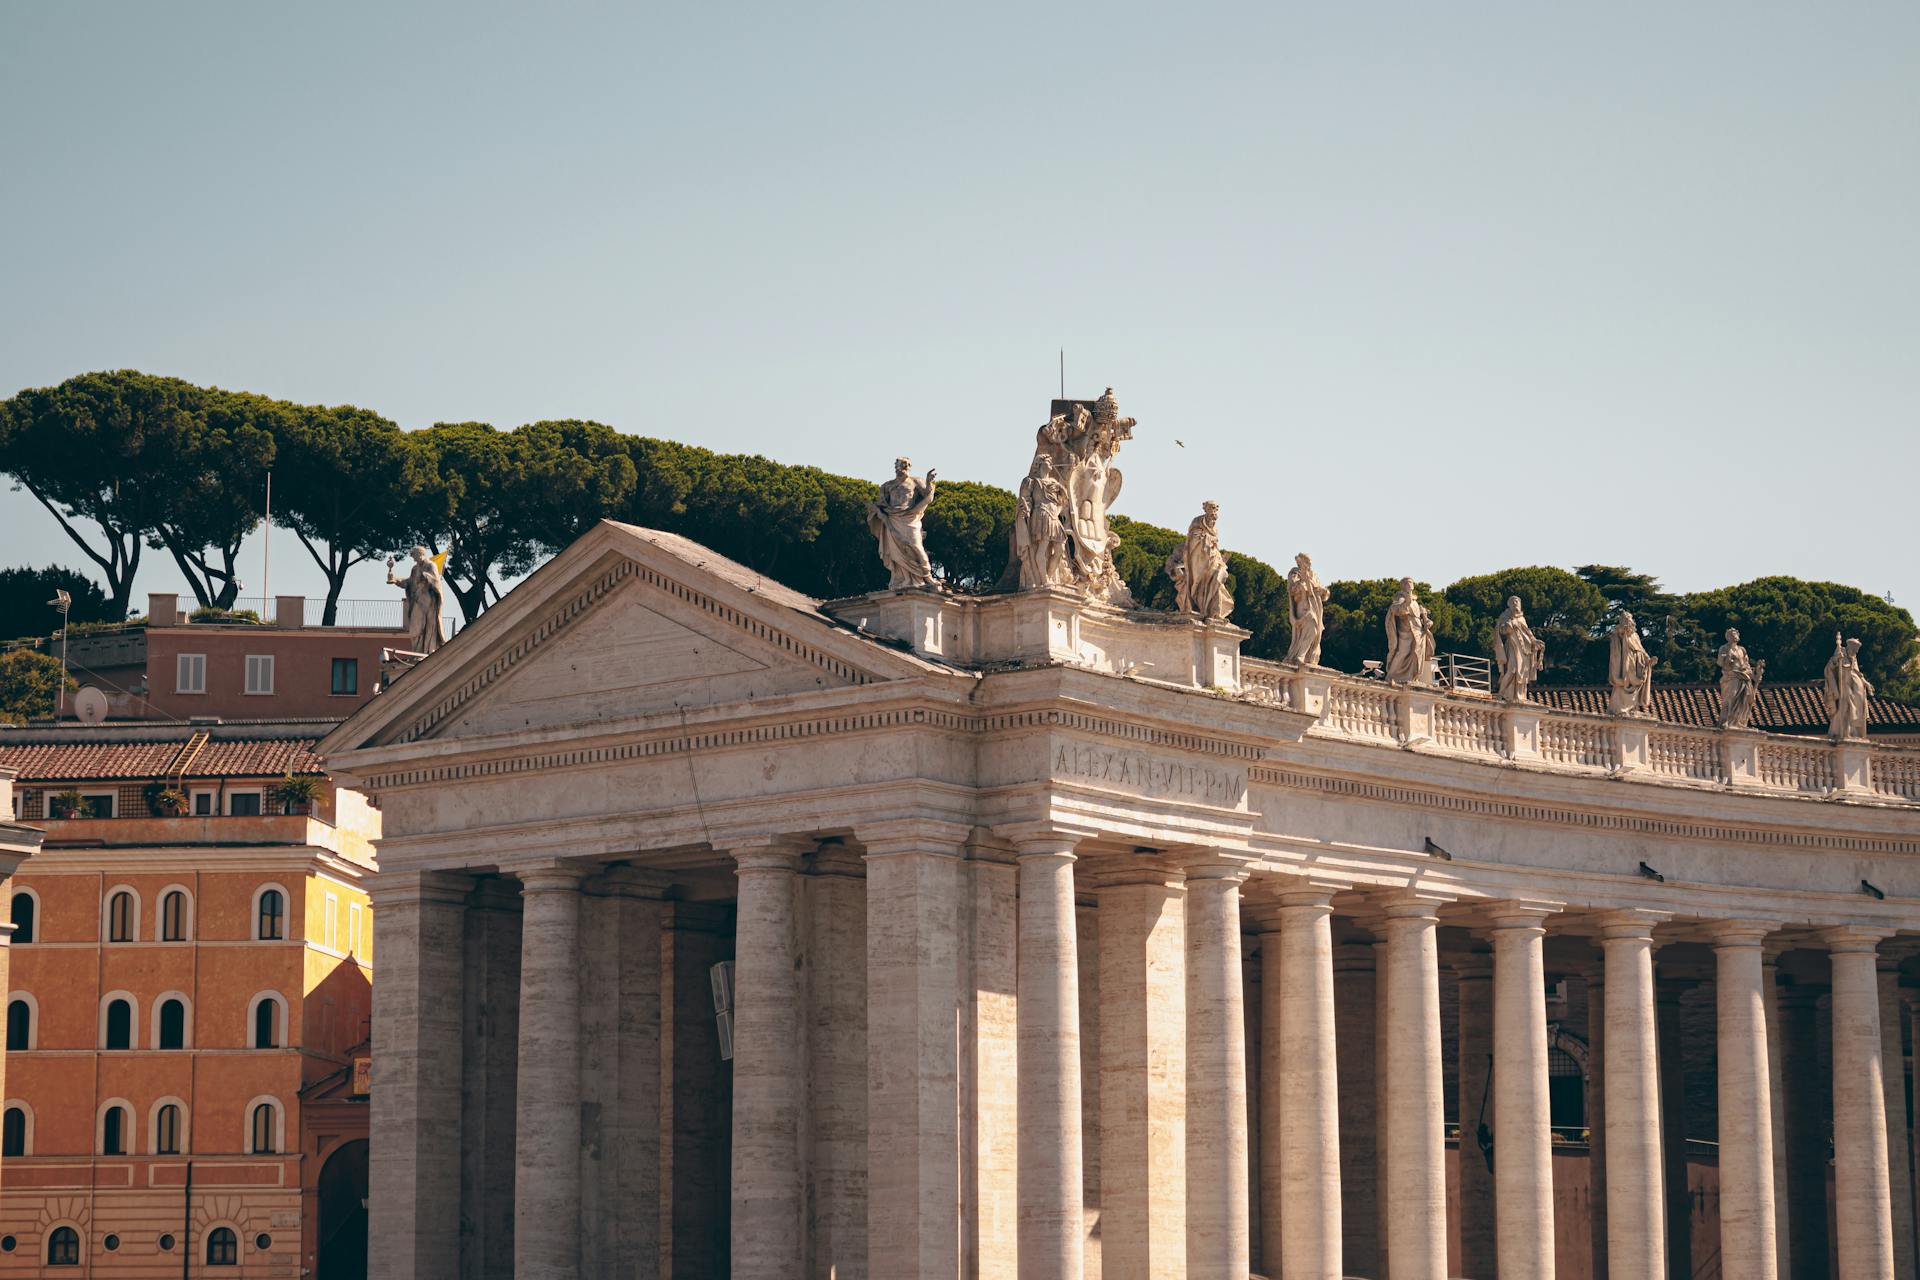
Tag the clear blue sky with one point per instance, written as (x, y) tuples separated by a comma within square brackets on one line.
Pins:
[(1426, 289)]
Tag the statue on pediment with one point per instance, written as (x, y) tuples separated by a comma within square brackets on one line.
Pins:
[(1629, 669), (1740, 679), (1409, 638), (1847, 691), (426, 594), (1519, 652), (1077, 447), (894, 517), (1199, 569), (1307, 606)]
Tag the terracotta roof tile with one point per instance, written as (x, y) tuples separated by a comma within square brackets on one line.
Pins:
[(97, 761), (1792, 706)]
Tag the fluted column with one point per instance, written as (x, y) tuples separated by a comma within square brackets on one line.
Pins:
[(546, 1181), (1143, 1082), (1522, 1107), (1776, 1087), (1894, 1079), (1748, 1231), (1416, 1105), (1052, 1228), (766, 1225), (1636, 1205), (1310, 1101), (914, 915), (414, 1170), (1862, 1210), (1217, 1211), (1473, 1047)]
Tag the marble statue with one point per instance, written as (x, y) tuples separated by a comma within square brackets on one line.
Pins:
[(1739, 682), (1307, 603), (1519, 652), (1409, 638), (1199, 570), (425, 595), (1847, 691), (1078, 447), (1039, 531), (1629, 669), (895, 520)]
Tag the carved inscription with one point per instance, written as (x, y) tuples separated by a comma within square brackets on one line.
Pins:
[(1150, 775)]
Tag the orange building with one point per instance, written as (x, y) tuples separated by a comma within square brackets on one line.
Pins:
[(181, 988)]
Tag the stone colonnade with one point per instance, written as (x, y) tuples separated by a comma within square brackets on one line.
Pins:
[(963, 1154)]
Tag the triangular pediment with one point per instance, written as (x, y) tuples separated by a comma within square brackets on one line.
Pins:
[(623, 623)]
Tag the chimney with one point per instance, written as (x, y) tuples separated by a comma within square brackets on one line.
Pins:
[(163, 608), (289, 611)]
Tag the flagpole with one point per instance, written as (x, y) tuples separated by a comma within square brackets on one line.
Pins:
[(266, 552)]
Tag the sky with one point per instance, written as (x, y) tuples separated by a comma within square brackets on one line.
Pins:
[(1419, 289)]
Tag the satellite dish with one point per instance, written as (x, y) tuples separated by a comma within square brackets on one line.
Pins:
[(90, 705)]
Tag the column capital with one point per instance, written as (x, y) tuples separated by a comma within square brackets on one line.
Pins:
[(1411, 906), (1471, 966), (1353, 957), (1141, 871), (548, 876), (1631, 924), (401, 888), (913, 836), (765, 852), (1724, 935), (1507, 915), (1849, 939), (1041, 840)]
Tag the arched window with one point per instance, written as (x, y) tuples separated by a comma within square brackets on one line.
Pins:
[(166, 1130), (122, 911), (270, 919), (175, 916), (114, 1128), (19, 1024), (25, 911), (223, 1248), (119, 1025), (63, 1247), (263, 1128), (173, 1024), (269, 1018), (16, 1131)]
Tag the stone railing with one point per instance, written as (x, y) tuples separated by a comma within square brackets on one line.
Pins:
[(1478, 727)]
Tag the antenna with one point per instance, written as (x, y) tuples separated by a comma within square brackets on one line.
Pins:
[(1063, 373)]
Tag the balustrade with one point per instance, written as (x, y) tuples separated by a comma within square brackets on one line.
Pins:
[(1476, 726)]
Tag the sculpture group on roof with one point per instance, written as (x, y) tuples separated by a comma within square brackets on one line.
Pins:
[(1062, 540)]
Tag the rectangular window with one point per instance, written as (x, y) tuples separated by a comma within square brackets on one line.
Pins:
[(259, 673), (190, 673), (332, 935), (243, 804), (97, 804), (346, 675), (353, 927), (203, 804)]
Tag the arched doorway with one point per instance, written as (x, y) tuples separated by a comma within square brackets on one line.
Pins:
[(343, 1213)]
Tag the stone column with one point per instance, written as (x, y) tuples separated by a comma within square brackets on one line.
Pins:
[(1748, 1244), (1143, 1079), (1052, 1227), (1309, 1098), (696, 1093), (1382, 1093), (912, 1000), (1473, 973), (546, 1175), (1522, 1107), (414, 1171), (1275, 1063), (1597, 1116), (1636, 1203), (990, 1092), (1894, 1072), (836, 987), (768, 1243), (1217, 1212), (1776, 1086), (1354, 993), (1808, 1089), (1862, 1208), (1416, 1108), (1673, 1124), (490, 1058)]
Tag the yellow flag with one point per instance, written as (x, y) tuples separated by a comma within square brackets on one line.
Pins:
[(440, 561)]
